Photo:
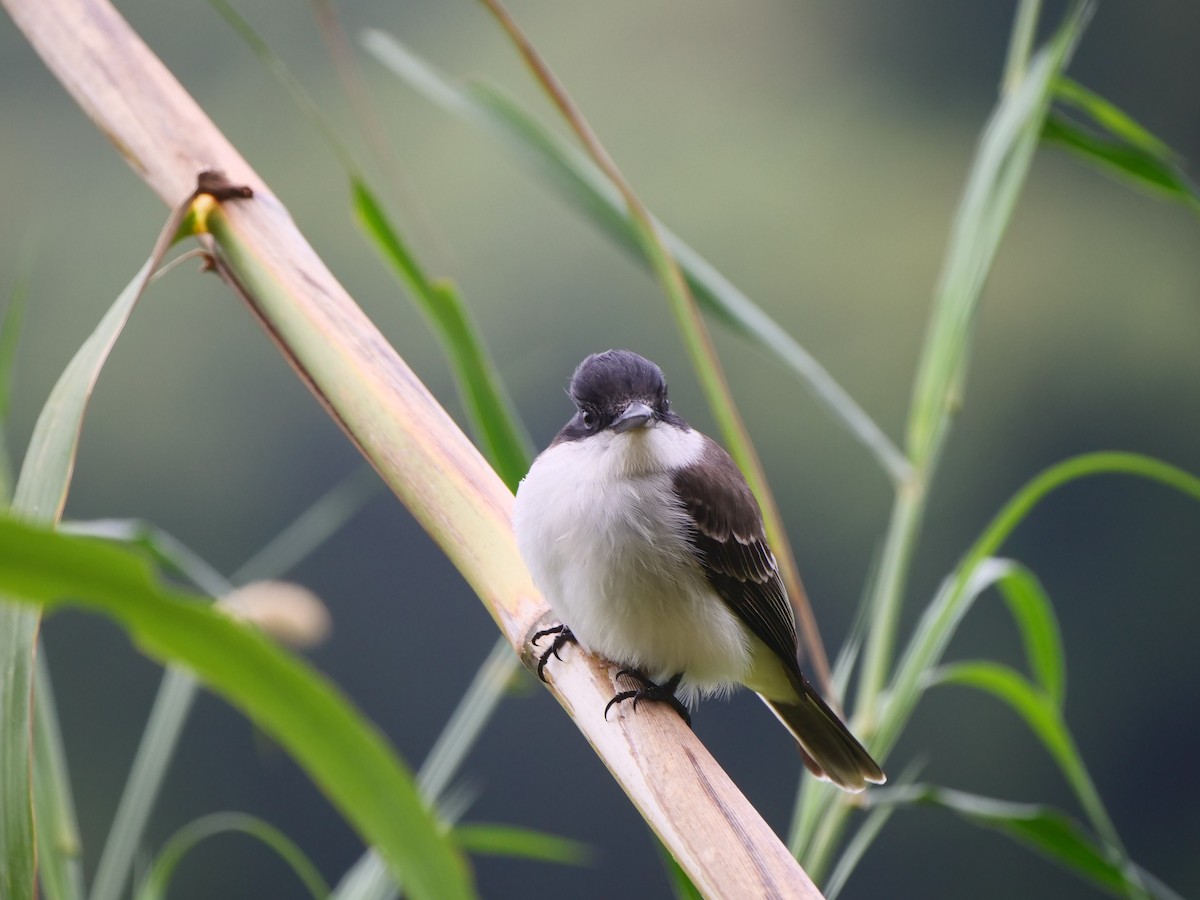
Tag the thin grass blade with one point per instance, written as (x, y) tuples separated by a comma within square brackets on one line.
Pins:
[(491, 411), (10, 336), (1042, 716), (997, 174), (60, 848), (1034, 614), (1157, 174), (1110, 118), (368, 879), (159, 877), (978, 569), (487, 839), (343, 753), (505, 442), (1046, 830), (581, 185)]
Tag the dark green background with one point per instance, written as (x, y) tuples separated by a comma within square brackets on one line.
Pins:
[(814, 153)]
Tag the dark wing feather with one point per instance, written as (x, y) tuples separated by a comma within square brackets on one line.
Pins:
[(726, 529)]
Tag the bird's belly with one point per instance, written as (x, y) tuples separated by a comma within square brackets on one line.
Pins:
[(623, 577)]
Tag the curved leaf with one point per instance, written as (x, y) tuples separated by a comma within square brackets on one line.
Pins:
[(1043, 828), (1034, 615), (1044, 719), (155, 885), (342, 752)]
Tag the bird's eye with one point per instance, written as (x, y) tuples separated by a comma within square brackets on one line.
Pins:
[(589, 419)]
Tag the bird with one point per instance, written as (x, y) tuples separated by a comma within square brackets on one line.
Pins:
[(647, 542)]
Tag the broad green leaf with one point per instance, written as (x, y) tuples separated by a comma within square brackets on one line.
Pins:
[(159, 877), (491, 410), (1047, 830), (1043, 717), (521, 843), (1151, 172), (580, 183), (282, 695), (178, 688)]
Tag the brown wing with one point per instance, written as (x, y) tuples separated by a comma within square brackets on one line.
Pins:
[(727, 531)]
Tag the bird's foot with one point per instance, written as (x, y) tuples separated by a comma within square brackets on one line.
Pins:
[(562, 637), (658, 693)]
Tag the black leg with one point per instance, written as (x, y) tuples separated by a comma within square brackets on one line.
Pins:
[(562, 637), (658, 693)]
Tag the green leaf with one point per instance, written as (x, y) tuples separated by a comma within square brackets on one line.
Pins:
[(10, 335), (491, 410), (1034, 615), (155, 885), (1151, 172), (60, 849), (40, 494), (1043, 717), (1047, 830), (978, 569), (282, 695), (580, 183), (681, 885), (997, 175), (178, 688), (1111, 118), (521, 843)]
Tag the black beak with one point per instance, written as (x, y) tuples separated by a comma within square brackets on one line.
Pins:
[(636, 415)]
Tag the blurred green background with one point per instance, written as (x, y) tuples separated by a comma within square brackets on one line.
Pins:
[(814, 153)]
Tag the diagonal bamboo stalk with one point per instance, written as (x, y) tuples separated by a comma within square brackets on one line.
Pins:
[(717, 836)]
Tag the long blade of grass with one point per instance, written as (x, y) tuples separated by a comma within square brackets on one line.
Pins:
[(368, 879), (59, 846), (10, 335), (342, 752), (1049, 831), (1045, 720), (856, 848), (40, 494), (1111, 118), (155, 885), (941, 618), (491, 411), (1155, 173), (505, 442), (488, 839), (178, 688), (581, 184), (1001, 163)]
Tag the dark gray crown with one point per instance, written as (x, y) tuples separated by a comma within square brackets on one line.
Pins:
[(606, 380)]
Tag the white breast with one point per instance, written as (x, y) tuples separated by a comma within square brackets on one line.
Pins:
[(604, 537)]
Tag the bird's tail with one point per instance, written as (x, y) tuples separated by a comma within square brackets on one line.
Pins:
[(830, 751)]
